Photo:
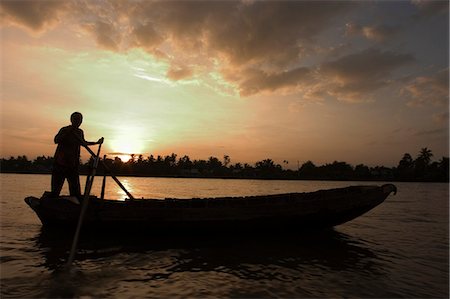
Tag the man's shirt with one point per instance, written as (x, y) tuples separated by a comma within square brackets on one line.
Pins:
[(68, 150)]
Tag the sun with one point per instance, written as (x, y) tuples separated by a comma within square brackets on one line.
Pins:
[(123, 157), (128, 140)]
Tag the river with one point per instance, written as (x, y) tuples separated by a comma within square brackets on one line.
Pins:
[(399, 249)]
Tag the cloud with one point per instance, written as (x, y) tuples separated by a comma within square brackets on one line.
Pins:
[(178, 73), (258, 46), (438, 131), (441, 118), (255, 45), (271, 31), (36, 16), (146, 37), (260, 43), (428, 90), (105, 35), (252, 81), (427, 8), (353, 77), (378, 33)]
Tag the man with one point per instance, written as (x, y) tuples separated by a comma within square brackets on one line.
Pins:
[(67, 156)]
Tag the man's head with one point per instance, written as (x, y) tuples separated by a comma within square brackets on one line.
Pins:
[(76, 118)]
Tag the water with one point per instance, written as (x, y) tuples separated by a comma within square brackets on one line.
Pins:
[(399, 249)]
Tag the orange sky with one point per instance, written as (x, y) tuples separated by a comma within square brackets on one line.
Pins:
[(362, 82)]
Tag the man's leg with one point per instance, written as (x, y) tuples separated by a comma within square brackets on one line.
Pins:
[(58, 177), (73, 179)]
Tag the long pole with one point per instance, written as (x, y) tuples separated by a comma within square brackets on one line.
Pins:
[(88, 178), (109, 170), (102, 194), (84, 206)]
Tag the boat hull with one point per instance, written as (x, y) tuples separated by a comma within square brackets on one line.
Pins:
[(272, 213)]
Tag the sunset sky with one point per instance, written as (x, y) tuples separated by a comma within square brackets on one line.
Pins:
[(361, 82)]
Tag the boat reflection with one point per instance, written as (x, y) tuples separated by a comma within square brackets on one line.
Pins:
[(328, 249)]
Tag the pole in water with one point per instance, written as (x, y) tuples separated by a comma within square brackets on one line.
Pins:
[(84, 206)]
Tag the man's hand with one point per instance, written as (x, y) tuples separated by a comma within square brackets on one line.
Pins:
[(100, 141)]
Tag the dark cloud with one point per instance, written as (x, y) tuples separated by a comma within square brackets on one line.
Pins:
[(350, 78), (146, 37), (354, 76), (105, 34), (34, 15), (428, 8), (182, 24), (260, 42), (272, 31), (377, 33), (259, 46), (256, 43), (240, 32), (369, 64), (254, 80)]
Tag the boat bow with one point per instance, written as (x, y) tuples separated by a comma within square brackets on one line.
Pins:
[(388, 188)]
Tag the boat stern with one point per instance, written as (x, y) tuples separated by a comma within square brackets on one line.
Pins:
[(34, 203), (60, 211)]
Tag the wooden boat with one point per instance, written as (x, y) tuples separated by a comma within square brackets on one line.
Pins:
[(280, 212)]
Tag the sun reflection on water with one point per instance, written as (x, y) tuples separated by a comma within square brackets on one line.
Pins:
[(119, 192)]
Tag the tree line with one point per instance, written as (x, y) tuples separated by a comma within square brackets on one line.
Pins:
[(422, 168)]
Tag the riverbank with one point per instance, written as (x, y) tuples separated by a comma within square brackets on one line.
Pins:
[(236, 177)]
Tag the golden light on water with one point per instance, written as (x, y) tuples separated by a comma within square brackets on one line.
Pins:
[(119, 192)]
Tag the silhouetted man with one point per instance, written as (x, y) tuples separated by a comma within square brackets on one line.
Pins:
[(67, 156)]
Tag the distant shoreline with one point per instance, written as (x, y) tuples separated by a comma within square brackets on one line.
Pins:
[(420, 169), (241, 178)]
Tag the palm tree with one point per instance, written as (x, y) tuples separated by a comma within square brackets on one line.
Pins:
[(226, 160), (425, 155), (421, 164)]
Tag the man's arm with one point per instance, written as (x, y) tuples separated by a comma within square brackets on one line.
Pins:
[(86, 143)]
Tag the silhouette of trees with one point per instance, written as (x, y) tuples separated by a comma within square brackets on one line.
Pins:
[(267, 169), (185, 163), (308, 170), (405, 168), (362, 172), (422, 168), (337, 170), (22, 164)]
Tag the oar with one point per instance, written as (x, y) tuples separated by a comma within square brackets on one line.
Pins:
[(84, 206), (106, 168)]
